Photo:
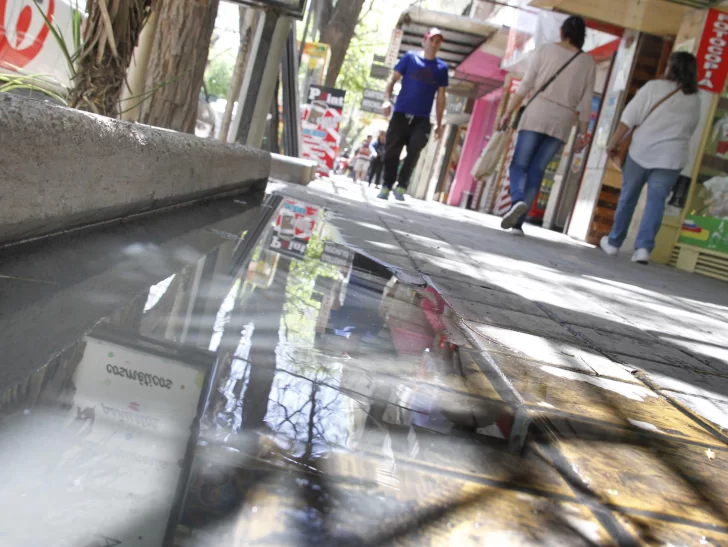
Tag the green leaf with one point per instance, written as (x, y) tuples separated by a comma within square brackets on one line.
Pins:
[(58, 36)]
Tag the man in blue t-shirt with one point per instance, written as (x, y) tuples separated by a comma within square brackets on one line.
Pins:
[(423, 76)]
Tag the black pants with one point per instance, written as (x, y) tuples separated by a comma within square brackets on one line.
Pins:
[(375, 171), (412, 132)]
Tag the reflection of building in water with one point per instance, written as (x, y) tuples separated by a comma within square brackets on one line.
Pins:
[(97, 440)]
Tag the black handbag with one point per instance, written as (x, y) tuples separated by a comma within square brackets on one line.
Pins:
[(519, 114)]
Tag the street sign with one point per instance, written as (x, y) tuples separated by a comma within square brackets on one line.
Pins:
[(379, 72), (373, 100), (380, 59)]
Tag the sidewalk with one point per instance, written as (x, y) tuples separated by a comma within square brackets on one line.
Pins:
[(623, 367)]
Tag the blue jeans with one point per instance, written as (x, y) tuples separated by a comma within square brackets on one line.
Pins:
[(533, 152), (660, 183)]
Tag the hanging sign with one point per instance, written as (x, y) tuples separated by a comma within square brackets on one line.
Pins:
[(712, 62)]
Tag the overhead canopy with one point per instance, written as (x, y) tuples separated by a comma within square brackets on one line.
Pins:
[(658, 17), (462, 36)]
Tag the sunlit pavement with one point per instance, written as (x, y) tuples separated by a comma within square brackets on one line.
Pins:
[(333, 369), (639, 354)]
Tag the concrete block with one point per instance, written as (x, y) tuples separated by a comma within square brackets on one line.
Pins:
[(295, 170), (61, 168)]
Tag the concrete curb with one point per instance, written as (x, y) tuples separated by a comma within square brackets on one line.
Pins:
[(295, 170), (61, 168)]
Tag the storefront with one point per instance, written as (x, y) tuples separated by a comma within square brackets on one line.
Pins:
[(472, 139), (694, 234)]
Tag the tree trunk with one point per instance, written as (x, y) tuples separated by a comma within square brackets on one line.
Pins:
[(266, 310), (177, 64), (110, 34), (247, 18), (338, 32)]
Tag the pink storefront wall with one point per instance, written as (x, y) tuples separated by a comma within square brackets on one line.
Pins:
[(480, 129)]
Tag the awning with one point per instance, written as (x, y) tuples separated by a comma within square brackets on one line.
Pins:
[(658, 17), (462, 36)]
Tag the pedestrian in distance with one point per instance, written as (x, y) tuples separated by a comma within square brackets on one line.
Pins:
[(424, 76), (377, 160), (661, 118), (563, 79), (362, 159)]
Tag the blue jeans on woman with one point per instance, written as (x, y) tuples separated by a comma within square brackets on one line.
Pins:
[(533, 152), (660, 183)]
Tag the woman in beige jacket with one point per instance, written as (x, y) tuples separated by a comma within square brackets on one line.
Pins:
[(549, 117)]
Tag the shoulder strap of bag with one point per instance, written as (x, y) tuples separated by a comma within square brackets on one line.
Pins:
[(658, 103), (655, 107), (550, 80)]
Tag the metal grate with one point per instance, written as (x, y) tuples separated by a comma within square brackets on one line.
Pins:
[(673, 257), (714, 266)]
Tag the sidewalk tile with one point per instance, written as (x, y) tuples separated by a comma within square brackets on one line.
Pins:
[(682, 379), (419, 505), (551, 352), (710, 409), (464, 289), (431, 252), (598, 318), (652, 531), (473, 308), (541, 326), (656, 350), (632, 406), (671, 479)]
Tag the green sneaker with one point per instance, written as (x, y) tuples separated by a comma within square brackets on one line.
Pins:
[(399, 194), (384, 194)]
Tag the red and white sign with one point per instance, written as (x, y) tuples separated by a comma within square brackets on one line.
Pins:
[(712, 62), (26, 44), (321, 121), (22, 31), (294, 227)]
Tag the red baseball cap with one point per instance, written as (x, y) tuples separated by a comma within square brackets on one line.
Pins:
[(434, 31)]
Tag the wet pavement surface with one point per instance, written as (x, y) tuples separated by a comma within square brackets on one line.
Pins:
[(252, 380)]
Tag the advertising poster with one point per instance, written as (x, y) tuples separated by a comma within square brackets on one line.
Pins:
[(321, 115), (107, 471), (314, 63), (295, 224), (705, 232)]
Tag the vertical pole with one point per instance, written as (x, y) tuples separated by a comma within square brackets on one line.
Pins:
[(291, 114), (261, 78), (305, 32)]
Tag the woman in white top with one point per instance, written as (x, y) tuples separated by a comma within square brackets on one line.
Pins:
[(549, 117), (658, 153)]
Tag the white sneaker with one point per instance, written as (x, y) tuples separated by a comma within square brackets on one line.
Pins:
[(641, 256), (512, 216), (611, 250), (516, 232)]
